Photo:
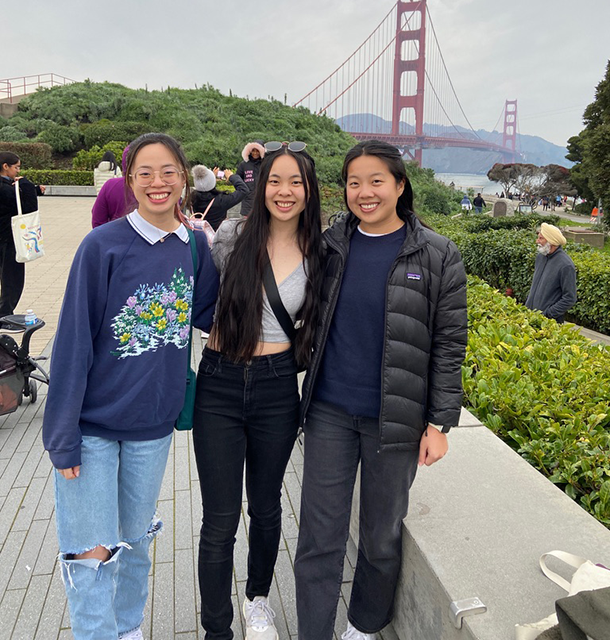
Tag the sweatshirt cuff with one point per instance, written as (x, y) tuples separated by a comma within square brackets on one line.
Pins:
[(66, 459)]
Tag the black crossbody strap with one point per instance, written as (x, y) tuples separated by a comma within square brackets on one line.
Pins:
[(273, 295)]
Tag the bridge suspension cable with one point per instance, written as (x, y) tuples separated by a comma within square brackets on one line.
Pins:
[(396, 86)]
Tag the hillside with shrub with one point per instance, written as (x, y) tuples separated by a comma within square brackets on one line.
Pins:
[(213, 128)]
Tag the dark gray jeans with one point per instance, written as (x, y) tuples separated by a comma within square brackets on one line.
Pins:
[(335, 442)]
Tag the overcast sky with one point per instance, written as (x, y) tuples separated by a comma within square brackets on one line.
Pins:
[(547, 54)]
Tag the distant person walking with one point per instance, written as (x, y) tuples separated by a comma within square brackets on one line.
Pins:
[(114, 200), (478, 203), (553, 289), (466, 204), (207, 199), (253, 154), (12, 273)]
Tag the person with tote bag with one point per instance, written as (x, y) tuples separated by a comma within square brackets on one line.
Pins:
[(12, 273)]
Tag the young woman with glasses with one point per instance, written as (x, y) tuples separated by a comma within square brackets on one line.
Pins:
[(247, 405), (118, 384), (386, 368)]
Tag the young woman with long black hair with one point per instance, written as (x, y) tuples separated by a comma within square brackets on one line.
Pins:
[(386, 369), (247, 406)]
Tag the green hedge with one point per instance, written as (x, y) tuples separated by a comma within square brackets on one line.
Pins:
[(543, 388), (33, 155), (502, 251), (59, 177)]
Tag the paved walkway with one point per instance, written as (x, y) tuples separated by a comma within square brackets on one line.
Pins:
[(32, 601)]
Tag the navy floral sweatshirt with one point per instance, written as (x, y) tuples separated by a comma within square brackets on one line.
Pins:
[(118, 368)]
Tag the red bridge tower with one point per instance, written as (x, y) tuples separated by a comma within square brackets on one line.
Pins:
[(418, 65)]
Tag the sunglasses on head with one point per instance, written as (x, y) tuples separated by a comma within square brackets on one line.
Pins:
[(275, 145)]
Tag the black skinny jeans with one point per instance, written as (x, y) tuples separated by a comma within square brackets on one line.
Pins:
[(243, 413)]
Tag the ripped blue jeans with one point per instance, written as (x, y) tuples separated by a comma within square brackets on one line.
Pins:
[(113, 504)]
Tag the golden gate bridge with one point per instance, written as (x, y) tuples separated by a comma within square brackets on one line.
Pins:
[(395, 87)]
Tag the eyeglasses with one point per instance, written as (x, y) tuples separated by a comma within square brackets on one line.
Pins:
[(145, 177), (295, 147)]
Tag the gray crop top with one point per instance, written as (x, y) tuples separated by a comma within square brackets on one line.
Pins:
[(291, 289)]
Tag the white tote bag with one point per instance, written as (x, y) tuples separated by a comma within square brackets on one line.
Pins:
[(587, 576), (27, 232)]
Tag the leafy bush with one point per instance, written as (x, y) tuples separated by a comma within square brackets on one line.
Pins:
[(33, 155), (58, 177), (212, 127), (542, 387), (504, 258), (102, 132), (60, 139), (12, 134), (88, 160)]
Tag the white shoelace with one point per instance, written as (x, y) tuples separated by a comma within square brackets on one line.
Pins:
[(259, 615)]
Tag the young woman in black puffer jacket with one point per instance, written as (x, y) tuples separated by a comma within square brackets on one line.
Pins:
[(382, 389)]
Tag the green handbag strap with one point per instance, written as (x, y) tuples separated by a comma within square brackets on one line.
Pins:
[(194, 256)]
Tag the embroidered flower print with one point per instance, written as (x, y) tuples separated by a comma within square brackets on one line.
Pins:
[(154, 317)]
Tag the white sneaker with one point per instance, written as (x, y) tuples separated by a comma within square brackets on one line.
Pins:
[(353, 634), (136, 634), (259, 619)]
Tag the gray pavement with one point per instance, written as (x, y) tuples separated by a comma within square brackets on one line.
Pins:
[(32, 600)]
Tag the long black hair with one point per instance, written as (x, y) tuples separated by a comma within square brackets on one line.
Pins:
[(109, 157), (391, 157), (240, 303)]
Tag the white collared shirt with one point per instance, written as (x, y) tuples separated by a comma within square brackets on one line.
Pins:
[(153, 234)]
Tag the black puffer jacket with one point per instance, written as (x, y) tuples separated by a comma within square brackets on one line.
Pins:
[(425, 335)]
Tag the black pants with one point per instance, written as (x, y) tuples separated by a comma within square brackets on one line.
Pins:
[(12, 277), (335, 442), (243, 413)]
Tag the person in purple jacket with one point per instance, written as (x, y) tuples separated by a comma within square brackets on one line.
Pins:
[(114, 199), (118, 384)]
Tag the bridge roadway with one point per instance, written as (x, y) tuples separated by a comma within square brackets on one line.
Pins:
[(32, 600), (433, 142)]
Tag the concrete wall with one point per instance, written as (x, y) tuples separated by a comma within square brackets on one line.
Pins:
[(74, 191), (478, 522)]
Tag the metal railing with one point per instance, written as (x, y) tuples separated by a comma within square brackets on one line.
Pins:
[(11, 88)]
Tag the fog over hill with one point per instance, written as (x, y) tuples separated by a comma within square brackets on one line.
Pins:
[(535, 150)]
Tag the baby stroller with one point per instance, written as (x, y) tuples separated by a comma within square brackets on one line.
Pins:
[(18, 370)]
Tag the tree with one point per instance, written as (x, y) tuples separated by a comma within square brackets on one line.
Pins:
[(556, 180), (505, 174), (515, 175), (590, 149), (533, 181)]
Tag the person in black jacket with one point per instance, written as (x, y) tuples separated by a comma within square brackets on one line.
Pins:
[(383, 389), (253, 154), (206, 193), (12, 273), (478, 203)]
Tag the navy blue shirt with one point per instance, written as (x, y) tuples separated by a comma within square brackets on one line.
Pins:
[(350, 372)]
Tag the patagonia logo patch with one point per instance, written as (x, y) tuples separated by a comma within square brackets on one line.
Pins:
[(413, 276)]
